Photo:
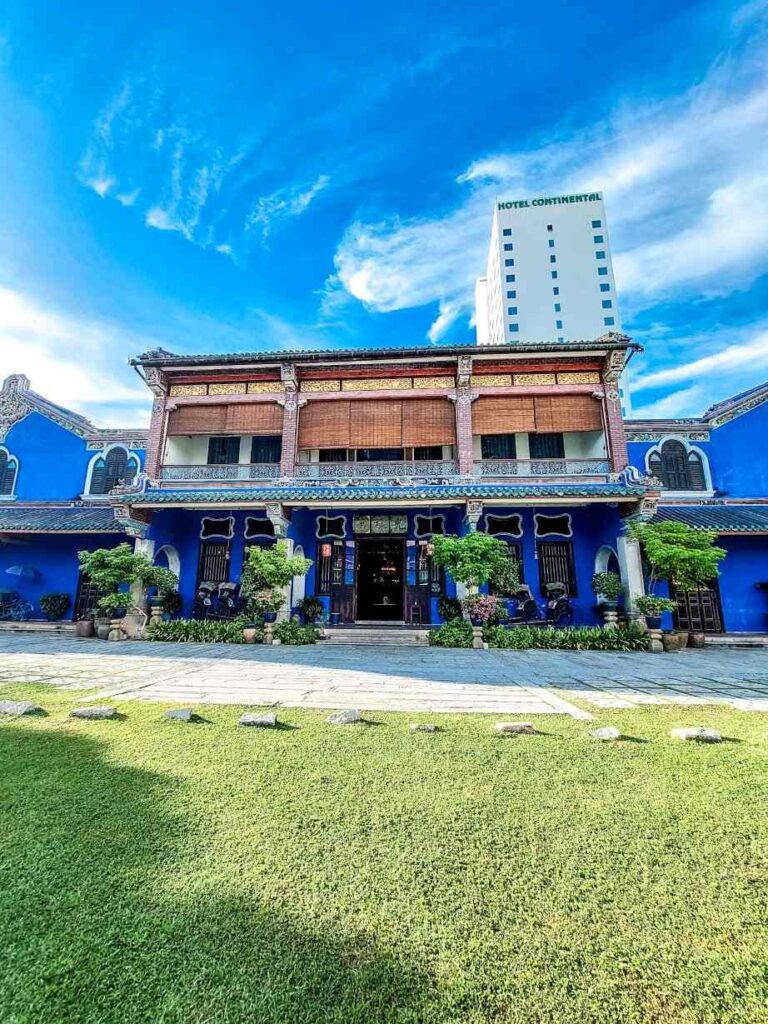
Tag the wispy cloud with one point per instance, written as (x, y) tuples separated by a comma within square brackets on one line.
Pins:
[(282, 204), (685, 178), (745, 356), (39, 342), (688, 402)]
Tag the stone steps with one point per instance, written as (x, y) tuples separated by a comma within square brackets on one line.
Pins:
[(372, 636), (38, 626), (736, 640)]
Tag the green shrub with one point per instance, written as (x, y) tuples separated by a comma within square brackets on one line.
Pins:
[(295, 635), (54, 605), (311, 608), (449, 608), (200, 631), (574, 638), (456, 633)]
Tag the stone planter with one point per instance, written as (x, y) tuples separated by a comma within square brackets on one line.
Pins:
[(249, 634), (697, 639), (655, 644), (84, 628), (610, 614), (674, 642), (102, 628)]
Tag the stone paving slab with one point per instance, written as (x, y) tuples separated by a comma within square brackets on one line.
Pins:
[(389, 678)]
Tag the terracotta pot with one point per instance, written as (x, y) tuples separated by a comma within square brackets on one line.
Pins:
[(249, 634), (84, 628), (674, 642), (697, 639)]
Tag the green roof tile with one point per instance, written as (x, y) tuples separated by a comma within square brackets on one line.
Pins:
[(58, 519), (723, 518)]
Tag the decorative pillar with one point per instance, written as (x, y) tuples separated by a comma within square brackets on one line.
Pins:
[(463, 400), (277, 517), (614, 423), (631, 571), (291, 405), (153, 458)]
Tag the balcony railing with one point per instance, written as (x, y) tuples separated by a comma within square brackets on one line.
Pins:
[(252, 471), (427, 469), (536, 468)]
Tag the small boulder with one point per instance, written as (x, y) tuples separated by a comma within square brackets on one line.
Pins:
[(526, 728), (268, 721), (96, 712), (700, 734), (422, 727), (350, 716), (605, 732), (18, 707), (180, 714)]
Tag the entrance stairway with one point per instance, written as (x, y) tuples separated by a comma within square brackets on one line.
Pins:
[(376, 636)]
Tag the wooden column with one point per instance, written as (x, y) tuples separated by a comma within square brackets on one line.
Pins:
[(291, 406), (463, 402), (614, 422)]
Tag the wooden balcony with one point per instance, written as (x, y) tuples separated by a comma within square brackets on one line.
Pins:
[(538, 469), (227, 474), (416, 469)]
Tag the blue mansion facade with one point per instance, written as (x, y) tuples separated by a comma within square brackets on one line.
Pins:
[(359, 458)]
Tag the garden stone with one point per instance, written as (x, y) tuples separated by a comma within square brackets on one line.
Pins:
[(526, 728), (265, 721), (351, 716), (700, 734), (96, 712), (422, 727), (18, 707), (606, 732), (180, 714)]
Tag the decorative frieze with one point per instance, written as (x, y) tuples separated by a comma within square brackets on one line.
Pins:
[(529, 380), (378, 384), (235, 388), (433, 382), (492, 380), (659, 435), (583, 377), (323, 386), (187, 390), (223, 388), (265, 387)]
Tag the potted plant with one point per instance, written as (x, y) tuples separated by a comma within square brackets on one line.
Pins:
[(84, 626), (266, 573), (473, 559), (608, 588), (54, 605), (484, 609), (124, 579), (653, 608), (311, 609)]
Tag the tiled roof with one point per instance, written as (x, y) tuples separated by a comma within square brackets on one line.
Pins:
[(723, 518), (58, 519), (234, 495)]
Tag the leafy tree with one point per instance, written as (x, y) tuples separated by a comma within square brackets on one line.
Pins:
[(266, 572), (115, 570), (678, 553), (474, 558)]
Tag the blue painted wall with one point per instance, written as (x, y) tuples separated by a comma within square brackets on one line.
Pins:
[(745, 608)]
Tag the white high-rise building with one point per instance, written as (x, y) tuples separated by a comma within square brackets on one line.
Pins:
[(549, 275)]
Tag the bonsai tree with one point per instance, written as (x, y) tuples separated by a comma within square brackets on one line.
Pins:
[(676, 552), (123, 578), (472, 559), (654, 607), (265, 573), (608, 585), (54, 605)]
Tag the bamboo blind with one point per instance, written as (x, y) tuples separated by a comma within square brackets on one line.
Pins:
[(376, 424), (567, 412), (429, 421), (197, 419), (324, 425), (254, 418), (503, 415)]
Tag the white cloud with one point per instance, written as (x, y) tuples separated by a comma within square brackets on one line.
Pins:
[(101, 185), (224, 249), (39, 342), (689, 402), (283, 203), (684, 179), (746, 356), (128, 198)]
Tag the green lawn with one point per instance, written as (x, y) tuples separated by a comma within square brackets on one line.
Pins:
[(159, 872)]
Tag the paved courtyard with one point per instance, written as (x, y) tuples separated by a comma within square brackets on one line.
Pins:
[(385, 678)]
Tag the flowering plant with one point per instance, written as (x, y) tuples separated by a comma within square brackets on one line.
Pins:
[(485, 608)]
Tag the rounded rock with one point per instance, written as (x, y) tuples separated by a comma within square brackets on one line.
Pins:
[(350, 716), (516, 728), (606, 732), (699, 734)]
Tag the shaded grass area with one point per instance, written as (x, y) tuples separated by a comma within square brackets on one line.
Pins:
[(152, 871)]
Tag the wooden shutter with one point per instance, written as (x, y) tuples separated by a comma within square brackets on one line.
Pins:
[(324, 425), (556, 564), (567, 413), (376, 424), (503, 415), (429, 421), (254, 418), (197, 419)]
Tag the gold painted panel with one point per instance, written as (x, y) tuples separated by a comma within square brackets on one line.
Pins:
[(433, 382), (378, 384), (320, 385), (491, 380), (237, 388), (187, 390), (265, 387), (534, 379), (583, 377)]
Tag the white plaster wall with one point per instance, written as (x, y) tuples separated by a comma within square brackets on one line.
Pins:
[(585, 444)]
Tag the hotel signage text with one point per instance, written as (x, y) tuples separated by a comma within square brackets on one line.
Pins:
[(583, 197)]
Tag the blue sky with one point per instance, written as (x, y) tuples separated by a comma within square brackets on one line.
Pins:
[(210, 177)]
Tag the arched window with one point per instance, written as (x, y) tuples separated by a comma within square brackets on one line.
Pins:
[(678, 468), (8, 469), (116, 467)]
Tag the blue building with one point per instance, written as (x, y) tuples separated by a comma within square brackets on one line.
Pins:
[(359, 458)]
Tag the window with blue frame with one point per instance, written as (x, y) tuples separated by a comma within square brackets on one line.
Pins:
[(116, 468), (266, 448)]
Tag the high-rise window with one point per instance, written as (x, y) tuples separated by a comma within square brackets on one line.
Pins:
[(554, 275), (557, 307), (508, 246), (607, 304), (608, 321), (551, 243), (597, 223), (514, 328), (553, 259), (559, 324), (602, 271), (511, 310), (511, 295), (600, 254), (506, 232), (598, 239), (510, 278), (509, 263), (556, 290), (605, 287)]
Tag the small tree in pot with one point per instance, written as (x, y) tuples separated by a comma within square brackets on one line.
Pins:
[(267, 570), (114, 571), (474, 559), (608, 589), (312, 609)]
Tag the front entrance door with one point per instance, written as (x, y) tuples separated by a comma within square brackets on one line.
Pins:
[(698, 611), (380, 578)]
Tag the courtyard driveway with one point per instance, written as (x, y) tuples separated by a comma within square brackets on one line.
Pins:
[(389, 679)]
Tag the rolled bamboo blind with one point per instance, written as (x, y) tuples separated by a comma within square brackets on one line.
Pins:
[(254, 418), (555, 413), (197, 419), (324, 425), (376, 424), (503, 415), (429, 421)]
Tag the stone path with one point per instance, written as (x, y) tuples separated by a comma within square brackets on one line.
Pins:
[(385, 678)]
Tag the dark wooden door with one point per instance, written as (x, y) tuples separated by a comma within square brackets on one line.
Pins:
[(380, 579), (85, 599), (214, 562), (699, 611)]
